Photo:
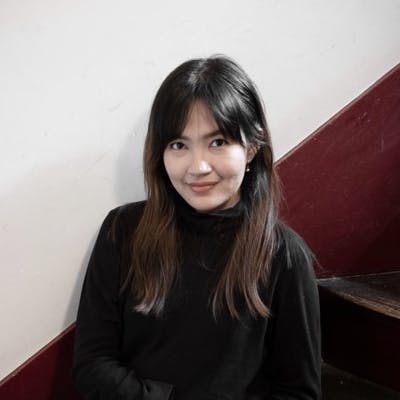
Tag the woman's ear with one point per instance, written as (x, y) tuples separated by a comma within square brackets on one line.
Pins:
[(252, 150)]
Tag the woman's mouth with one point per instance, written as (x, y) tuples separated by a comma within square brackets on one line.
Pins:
[(202, 187)]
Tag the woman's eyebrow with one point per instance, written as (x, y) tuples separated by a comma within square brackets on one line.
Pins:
[(206, 136)]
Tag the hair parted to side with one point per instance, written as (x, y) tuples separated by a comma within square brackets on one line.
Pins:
[(234, 102)]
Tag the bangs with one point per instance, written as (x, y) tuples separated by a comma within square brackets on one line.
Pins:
[(230, 114), (227, 116), (173, 120)]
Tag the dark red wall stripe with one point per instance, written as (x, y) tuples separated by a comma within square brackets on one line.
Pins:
[(342, 184), (46, 375), (342, 190)]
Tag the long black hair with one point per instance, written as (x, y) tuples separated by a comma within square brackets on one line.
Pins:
[(232, 98)]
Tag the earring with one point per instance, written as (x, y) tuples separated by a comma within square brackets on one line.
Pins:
[(247, 167)]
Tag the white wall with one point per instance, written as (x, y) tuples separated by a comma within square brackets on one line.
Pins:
[(76, 82)]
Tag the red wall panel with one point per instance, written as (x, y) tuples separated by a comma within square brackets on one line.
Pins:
[(342, 184)]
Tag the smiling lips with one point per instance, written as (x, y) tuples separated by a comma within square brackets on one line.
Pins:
[(202, 187)]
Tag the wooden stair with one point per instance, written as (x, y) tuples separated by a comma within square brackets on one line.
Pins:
[(360, 322)]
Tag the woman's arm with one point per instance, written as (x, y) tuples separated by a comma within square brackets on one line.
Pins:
[(295, 363), (98, 371)]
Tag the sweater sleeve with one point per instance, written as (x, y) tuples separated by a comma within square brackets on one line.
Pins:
[(98, 370), (295, 359)]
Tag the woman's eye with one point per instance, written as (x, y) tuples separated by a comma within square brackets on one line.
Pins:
[(176, 146), (218, 142)]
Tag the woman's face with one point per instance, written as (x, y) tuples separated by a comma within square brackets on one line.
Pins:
[(204, 167)]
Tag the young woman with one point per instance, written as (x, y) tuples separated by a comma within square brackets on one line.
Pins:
[(200, 292)]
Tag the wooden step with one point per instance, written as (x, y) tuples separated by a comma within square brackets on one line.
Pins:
[(360, 322), (379, 292)]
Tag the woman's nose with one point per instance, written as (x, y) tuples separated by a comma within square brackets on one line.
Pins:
[(199, 164)]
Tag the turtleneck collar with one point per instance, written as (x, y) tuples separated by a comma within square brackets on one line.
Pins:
[(213, 221)]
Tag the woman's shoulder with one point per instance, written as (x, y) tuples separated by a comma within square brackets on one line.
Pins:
[(292, 252), (121, 221), (128, 212), (292, 268)]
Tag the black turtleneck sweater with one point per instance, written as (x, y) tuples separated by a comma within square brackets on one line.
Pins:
[(186, 354)]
